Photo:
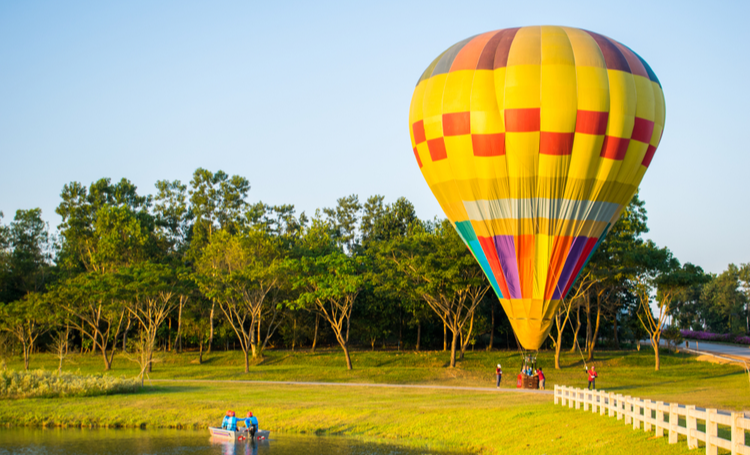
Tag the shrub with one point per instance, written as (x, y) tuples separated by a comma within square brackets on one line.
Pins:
[(48, 384), (708, 336)]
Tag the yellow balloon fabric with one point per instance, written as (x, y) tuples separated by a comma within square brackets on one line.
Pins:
[(533, 140)]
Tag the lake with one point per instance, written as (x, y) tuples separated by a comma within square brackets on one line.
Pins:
[(70, 441)]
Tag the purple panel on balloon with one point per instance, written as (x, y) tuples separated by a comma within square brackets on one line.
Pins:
[(570, 264), (506, 253)]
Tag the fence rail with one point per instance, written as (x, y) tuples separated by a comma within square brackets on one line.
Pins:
[(664, 417)]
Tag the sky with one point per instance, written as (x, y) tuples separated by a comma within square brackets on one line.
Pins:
[(310, 100)]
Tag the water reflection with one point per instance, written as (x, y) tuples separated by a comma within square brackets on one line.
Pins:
[(33, 441)]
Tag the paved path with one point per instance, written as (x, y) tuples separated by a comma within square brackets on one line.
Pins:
[(361, 384), (733, 351), (742, 352)]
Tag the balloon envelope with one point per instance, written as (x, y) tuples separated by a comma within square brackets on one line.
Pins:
[(533, 140)]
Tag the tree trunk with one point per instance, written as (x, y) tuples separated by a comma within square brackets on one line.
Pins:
[(178, 338), (655, 345), (617, 338), (575, 332), (247, 360), (315, 337), (400, 325), (211, 333), (492, 329), (453, 349), (348, 358), (595, 334), (125, 337), (445, 337), (107, 361), (26, 356), (419, 334)]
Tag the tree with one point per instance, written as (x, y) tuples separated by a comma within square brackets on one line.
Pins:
[(328, 281), (92, 304), (658, 269), (25, 258), (217, 202), (153, 291), (238, 272), (452, 283), (26, 320), (563, 313), (725, 301)]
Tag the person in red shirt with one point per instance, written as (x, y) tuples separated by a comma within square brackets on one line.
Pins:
[(499, 374), (592, 377), (541, 378)]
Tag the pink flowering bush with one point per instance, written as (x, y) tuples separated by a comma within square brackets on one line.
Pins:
[(709, 336)]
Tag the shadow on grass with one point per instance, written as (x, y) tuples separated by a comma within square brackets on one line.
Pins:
[(154, 389)]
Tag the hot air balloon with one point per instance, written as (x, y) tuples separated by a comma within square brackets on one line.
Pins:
[(533, 140)]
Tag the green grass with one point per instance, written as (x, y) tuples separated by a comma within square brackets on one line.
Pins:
[(484, 422), (487, 422), (681, 379)]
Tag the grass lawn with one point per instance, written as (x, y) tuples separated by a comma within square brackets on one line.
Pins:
[(681, 379), (488, 422), (471, 421)]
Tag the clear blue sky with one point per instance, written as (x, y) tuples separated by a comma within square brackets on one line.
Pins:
[(310, 100)]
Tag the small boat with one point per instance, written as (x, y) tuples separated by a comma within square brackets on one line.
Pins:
[(221, 433), (239, 434)]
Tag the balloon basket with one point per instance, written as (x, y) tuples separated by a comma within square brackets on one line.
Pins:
[(530, 382)]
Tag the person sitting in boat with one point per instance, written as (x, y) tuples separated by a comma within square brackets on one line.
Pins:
[(251, 422), (230, 421)]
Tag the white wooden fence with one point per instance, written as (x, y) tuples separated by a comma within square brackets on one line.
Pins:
[(664, 417)]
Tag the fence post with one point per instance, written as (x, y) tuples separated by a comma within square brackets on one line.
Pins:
[(578, 399), (712, 431), (571, 398), (692, 426), (647, 408), (619, 406), (602, 403), (586, 400), (673, 422), (557, 400), (628, 410), (738, 434), (659, 419), (611, 404), (636, 413)]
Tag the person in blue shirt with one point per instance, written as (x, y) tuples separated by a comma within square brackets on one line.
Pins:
[(251, 422), (230, 421)]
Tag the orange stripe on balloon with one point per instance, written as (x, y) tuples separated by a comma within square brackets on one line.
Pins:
[(591, 122), (525, 256), (419, 134), (490, 252), (556, 143), (437, 149), (615, 148), (468, 57), (456, 123), (560, 251), (416, 155), (488, 144), (522, 120), (642, 130)]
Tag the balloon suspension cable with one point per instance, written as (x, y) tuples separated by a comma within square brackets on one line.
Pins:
[(575, 339)]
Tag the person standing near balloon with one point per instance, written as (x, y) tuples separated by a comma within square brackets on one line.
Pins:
[(499, 374), (592, 377), (540, 374)]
